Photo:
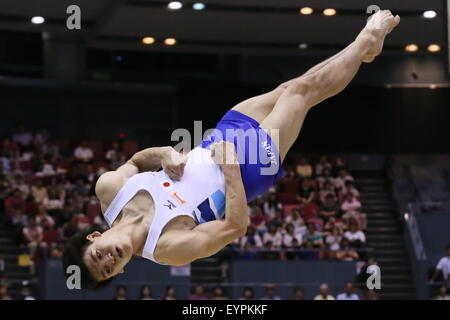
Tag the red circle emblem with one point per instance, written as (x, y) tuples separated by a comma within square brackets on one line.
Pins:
[(166, 184)]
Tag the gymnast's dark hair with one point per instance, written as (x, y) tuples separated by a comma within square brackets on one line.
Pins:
[(73, 255)]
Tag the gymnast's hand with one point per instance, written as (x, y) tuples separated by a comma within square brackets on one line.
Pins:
[(173, 163), (224, 154)]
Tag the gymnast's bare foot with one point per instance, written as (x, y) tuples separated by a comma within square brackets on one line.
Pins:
[(377, 28)]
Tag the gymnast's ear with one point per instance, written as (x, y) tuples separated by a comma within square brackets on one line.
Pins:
[(93, 235)]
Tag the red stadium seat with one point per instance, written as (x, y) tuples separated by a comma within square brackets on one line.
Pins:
[(288, 209)]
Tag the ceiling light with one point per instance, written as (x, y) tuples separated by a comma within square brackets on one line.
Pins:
[(412, 47), (175, 5), (198, 6), (434, 48), (148, 40), (303, 46), (430, 14), (306, 10), (329, 12), (38, 20), (170, 41)]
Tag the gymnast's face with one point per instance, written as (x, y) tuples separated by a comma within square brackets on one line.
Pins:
[(107, 255)]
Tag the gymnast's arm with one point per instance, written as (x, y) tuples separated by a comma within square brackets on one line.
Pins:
[(208, 238)]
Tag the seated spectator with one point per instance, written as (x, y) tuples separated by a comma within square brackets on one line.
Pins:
[(313, 237), (371, 294), (298, 294), (83, 153), (2, 266), (121, 293), (271, 205), (15, 202), (304, 169), (296, 220), (270, 252), (39, 191), (270, 293), (342, 177), (339, 164), (113, 153), (70, 228), (258, 220), (355, 236), (146, 293), (289, 236), (323, 293), (278, 220), (349, 188), (351, 207), (198, 293), (25, 293), (34, 236), (332, 223), (4, 292), (170, 293), (348, 293), (333, 240), (251, 238), (274, 236), (326, 191), (345, 253), (247, 294), (305, 194), (443, 267), (442, 294), (22, 138), (43, 219), (19, 183), (322, 165), (218, 293), (329, 208)]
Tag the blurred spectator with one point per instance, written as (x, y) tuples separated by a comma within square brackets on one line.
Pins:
[(333, 240), (274, 236), (19, 183), (34, 236), (83, 153), (345, 253), (356, 237), (342, 177), (290, 236), (298, 294), (348, 293), (4, 292), (323, 293), (251, 238), (304, 169), (43, 219), (146, 293), (39, 191), (313, 237), (198, 293), (22, 137), (121, 293), (442, 294), (329, 208), (350, 188), (270, 293), (170, 293), (270, 252), (371, 295), (25, 293), (218, 293), (339, 164), (258, 220), (113, 153), (351, 208), (247, 294), (443, 267), (327, 191), (298, 222), (271, 205), (305, 194), (322, 165)]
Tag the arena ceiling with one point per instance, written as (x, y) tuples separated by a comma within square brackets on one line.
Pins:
[(259, 26)]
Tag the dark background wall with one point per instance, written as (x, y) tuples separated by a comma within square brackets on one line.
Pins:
[(361, 119)]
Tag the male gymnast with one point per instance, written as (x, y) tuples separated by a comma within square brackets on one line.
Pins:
[(197, 203)]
